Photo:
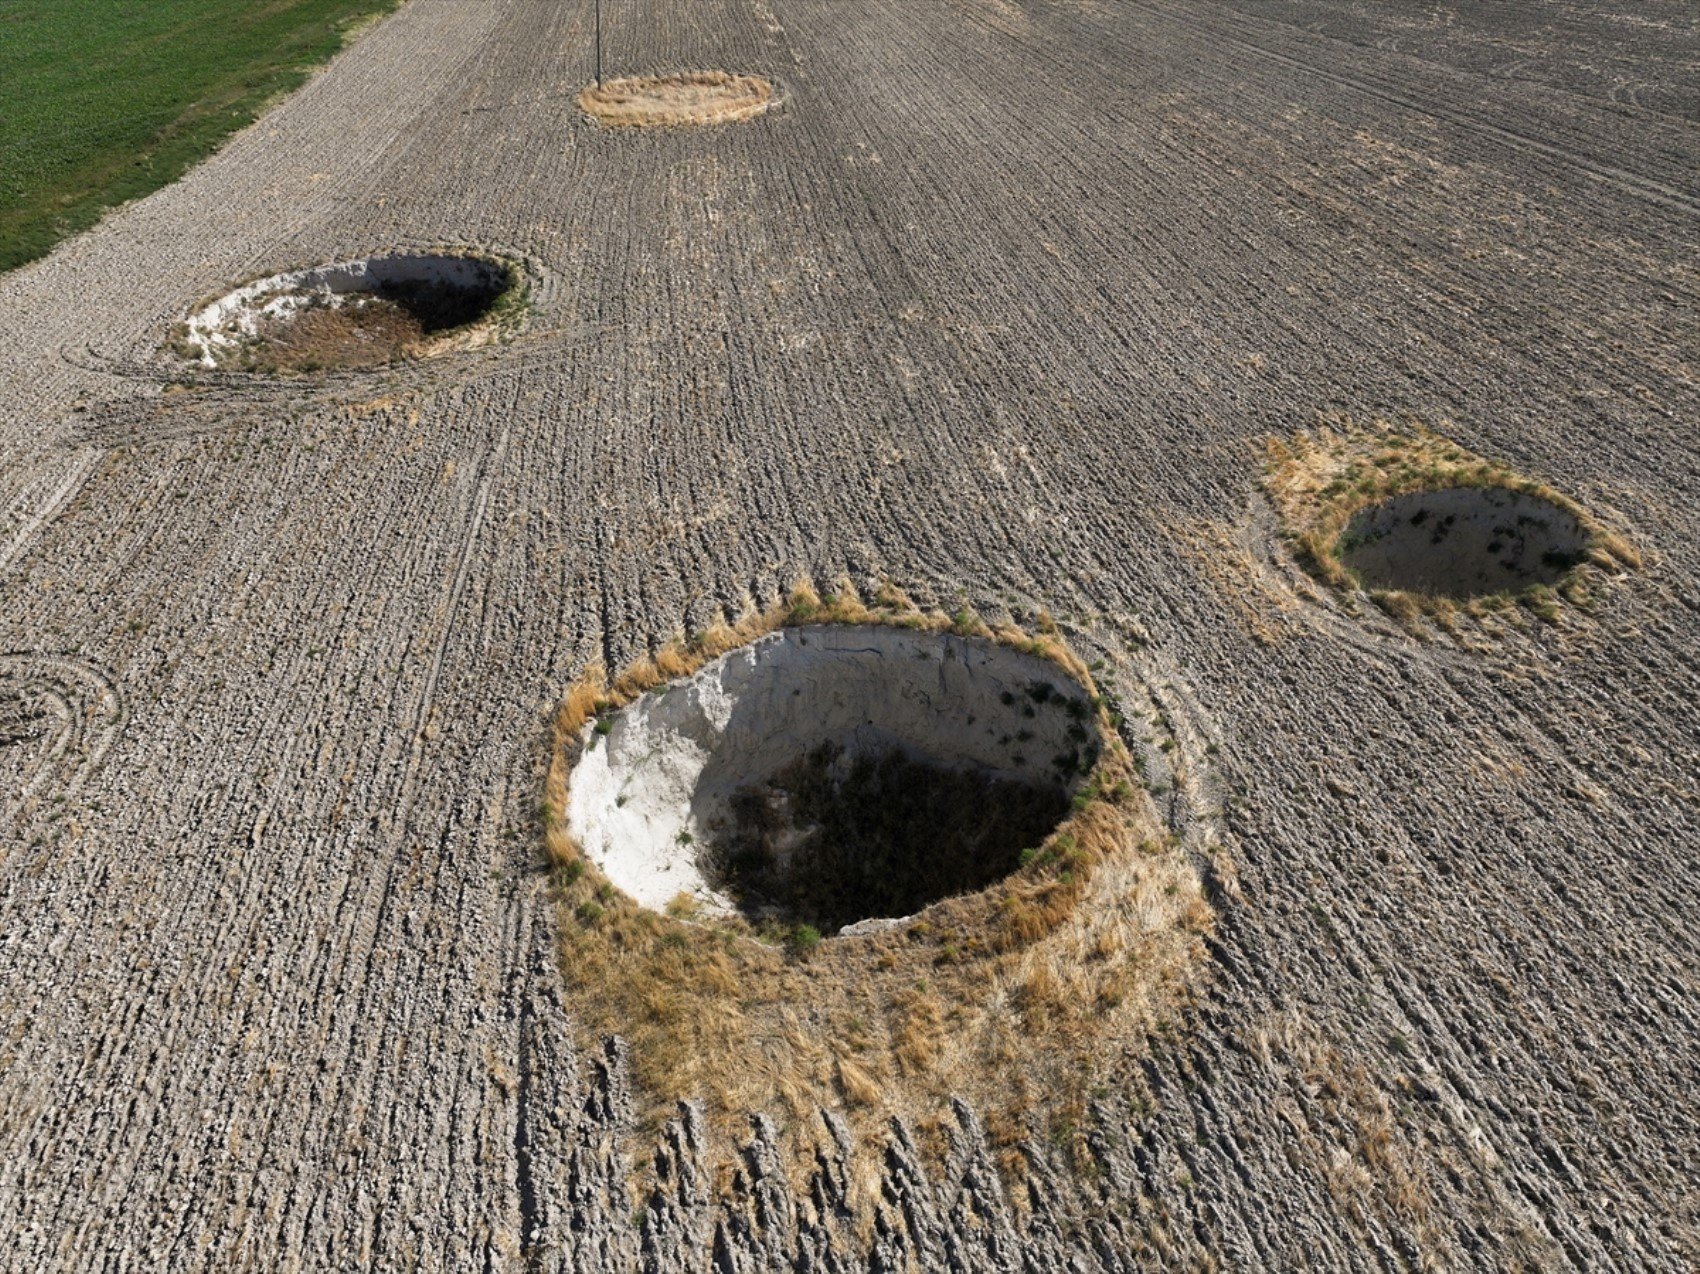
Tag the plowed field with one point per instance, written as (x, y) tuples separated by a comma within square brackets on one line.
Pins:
[(999, 301)]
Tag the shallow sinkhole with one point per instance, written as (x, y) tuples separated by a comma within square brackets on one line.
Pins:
[(684, 98), (1462, 542), (839, 776), (350, 314)]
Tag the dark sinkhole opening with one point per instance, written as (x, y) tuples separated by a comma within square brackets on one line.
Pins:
[(1462, 542), (835, 838), (834, 776)]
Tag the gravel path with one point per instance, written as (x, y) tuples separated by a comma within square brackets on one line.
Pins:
[(998, 301)]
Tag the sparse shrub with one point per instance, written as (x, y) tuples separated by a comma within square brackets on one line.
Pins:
[(805, 938)]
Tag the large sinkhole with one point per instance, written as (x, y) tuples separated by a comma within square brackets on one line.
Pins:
[(1462, 542), (833, 775), (350, 314)]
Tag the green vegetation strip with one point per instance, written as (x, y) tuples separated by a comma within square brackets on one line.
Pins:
[(106, 100)]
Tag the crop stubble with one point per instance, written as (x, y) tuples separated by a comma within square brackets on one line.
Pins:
[(1005, 299)]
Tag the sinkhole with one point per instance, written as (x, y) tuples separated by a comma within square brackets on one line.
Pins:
[(1462, 542), (835, 775), (350, 314)]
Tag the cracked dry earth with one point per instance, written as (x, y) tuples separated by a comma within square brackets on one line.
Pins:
[(998, 303)]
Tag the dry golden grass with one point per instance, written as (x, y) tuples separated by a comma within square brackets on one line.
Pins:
[(1371, 1164), (1262, 606), (690, 97), (1019, 998), (1318, 481), (338, 338)]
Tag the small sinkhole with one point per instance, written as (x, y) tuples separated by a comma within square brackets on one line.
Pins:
[(348, 315), (837, 775), (1462, 542)]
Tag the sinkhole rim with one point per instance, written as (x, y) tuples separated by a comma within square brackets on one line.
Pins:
[(1087, 948)]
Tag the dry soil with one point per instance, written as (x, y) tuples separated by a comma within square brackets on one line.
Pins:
[(1000, 303)]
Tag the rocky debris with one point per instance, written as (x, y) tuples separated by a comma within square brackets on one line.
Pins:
[(22, 717)]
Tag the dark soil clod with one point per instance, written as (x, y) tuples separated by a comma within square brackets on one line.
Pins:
[(22, 718)]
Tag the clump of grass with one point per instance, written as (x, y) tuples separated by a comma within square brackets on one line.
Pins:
[(1320, 481), (1015, 997)]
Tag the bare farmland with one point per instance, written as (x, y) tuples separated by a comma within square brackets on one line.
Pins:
[(999, 302)]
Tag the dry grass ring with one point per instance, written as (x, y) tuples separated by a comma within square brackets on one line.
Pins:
[(688, 97), (1428, 528)]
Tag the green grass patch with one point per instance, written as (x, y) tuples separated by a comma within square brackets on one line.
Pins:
[(102, 101)]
